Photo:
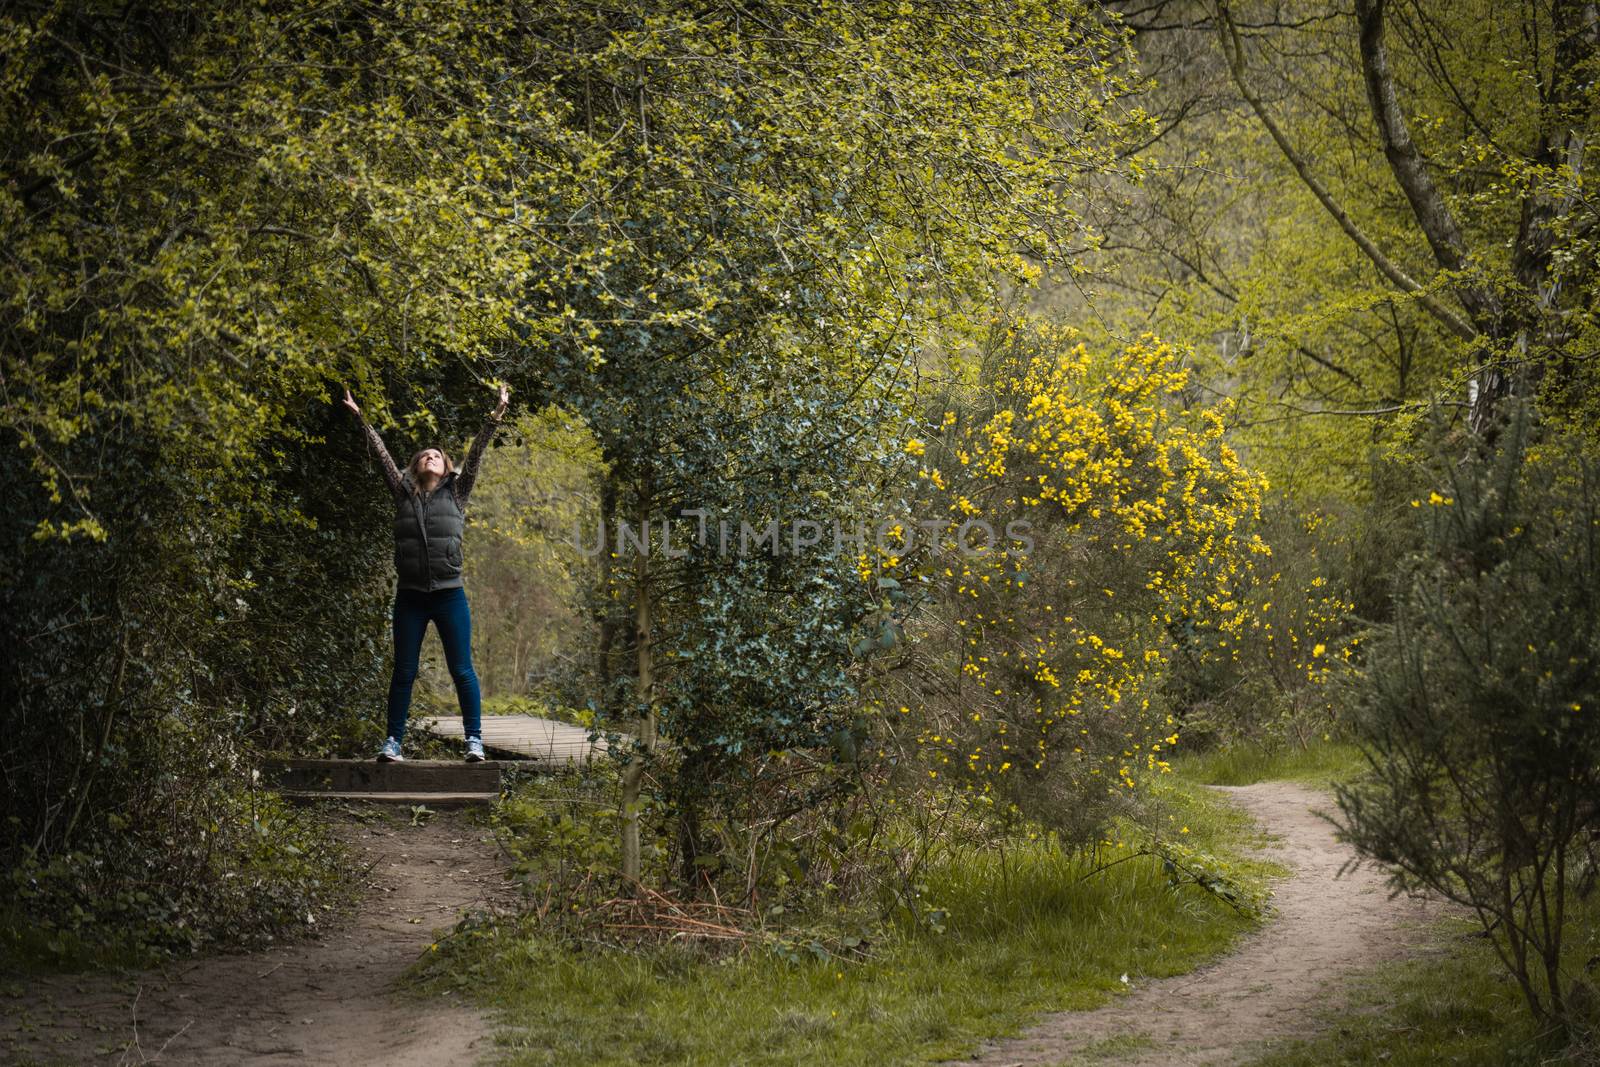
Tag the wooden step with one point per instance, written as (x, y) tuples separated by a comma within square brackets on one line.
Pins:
[(370, 776), (429, 800)]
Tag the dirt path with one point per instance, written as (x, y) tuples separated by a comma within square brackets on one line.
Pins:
[(1271, 988), (329, 1001)]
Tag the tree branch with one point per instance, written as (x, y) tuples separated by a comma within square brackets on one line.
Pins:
[(1233, 51), (1562, 126), (1405, 162)]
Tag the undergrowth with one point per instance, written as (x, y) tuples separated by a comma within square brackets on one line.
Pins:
[(1000, 936), (253, 870), (1453, 1003), (1241, 763)]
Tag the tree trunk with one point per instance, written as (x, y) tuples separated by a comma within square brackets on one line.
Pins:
[(604, 620), (1561, 141), (633, 772)]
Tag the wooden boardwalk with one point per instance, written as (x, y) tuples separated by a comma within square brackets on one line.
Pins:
[(528, 736)]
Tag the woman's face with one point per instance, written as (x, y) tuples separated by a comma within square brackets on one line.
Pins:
[(431, 461)]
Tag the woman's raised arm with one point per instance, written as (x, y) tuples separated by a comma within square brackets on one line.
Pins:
[(469, 470), (391, 473)]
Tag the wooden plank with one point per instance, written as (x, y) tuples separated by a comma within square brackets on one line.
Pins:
[(431, 800), (528, 736), (371, 776)]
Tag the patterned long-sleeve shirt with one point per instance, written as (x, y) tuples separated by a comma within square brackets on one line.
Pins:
[(468, 476), (460, 486)]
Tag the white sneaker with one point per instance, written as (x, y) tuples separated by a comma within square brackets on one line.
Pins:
[(474, 749), (390, 752)]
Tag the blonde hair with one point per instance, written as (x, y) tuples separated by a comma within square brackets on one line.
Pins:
[(411, 467)]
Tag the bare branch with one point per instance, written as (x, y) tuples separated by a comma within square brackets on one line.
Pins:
[(1411, 173), (1233, 51)]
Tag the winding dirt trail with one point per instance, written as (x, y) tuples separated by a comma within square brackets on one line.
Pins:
[(332, 1001), (1271, 988), (329, 1001)]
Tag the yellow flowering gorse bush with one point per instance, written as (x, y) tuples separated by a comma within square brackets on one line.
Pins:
[(1134, 523)]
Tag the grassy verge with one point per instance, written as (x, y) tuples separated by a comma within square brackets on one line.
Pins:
[(1046, 934), (1317, 764), (28, 948), (518, 704), (1452, 1004)]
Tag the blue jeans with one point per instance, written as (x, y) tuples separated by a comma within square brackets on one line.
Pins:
[(447, 608)]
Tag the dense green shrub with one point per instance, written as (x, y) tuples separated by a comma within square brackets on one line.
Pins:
[(230, 864), (1479, 707), (205, 226), (155, 666)]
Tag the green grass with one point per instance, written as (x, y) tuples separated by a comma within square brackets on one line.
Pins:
[(1452, 1004), (1043, 937), (519, 704), (28, 948), (1114, 1048), (1317, 764)]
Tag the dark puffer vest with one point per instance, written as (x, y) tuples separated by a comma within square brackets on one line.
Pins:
[(427, 535), (428, 526)]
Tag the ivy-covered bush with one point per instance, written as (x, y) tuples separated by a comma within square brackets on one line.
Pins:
[(226, 864)]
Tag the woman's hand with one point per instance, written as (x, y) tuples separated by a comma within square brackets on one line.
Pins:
[(500, 408), (350, 403)]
